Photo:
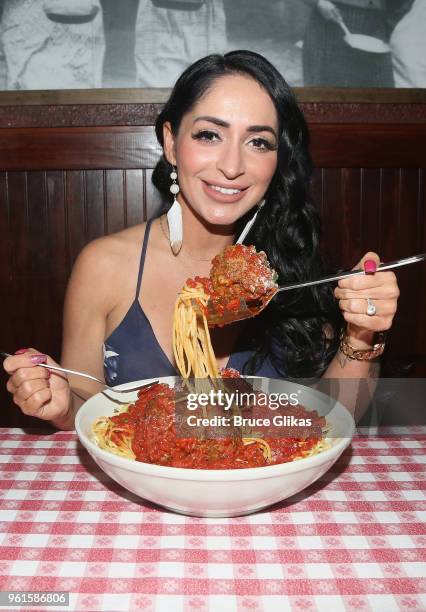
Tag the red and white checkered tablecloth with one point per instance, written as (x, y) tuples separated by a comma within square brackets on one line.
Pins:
[(355, 540)]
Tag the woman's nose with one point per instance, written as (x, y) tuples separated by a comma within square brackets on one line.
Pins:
[(231, 161)]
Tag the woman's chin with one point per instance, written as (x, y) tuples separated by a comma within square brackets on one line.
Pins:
[(222, 217)]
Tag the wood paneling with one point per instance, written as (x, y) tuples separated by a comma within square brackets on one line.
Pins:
[(126, 107), (368, 145), (78, 148), (62, 187), (110, 148)]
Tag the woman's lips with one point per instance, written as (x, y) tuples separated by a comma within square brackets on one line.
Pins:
[(223, 194)]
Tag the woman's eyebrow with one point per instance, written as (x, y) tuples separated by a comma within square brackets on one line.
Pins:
[(222, 123), (262, 128), (214, 120)]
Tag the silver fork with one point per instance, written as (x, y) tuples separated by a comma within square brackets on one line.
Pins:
[(102, 382)]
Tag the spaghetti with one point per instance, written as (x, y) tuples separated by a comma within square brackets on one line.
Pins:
[(192, 345), (145, 431)]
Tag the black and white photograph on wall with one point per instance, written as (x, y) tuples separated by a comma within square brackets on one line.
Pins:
[(88, 44)]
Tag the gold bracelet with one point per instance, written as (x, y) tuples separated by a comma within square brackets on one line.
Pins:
[(362, 354)]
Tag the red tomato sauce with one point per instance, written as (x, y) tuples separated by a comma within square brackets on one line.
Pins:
[(239, 273), (150, 422)]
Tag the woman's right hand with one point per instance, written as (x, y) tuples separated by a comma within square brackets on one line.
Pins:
[(329, 11), (38, 391)]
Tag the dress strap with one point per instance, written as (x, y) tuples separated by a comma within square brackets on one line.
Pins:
[(143, 253)]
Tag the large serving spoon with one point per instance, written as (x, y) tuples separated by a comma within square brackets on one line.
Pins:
[(371, 44), (85, 375), (217, 316)]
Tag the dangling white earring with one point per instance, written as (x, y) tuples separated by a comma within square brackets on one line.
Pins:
[(250, 223), (174, 217)]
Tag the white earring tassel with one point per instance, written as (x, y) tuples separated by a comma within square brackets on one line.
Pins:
[(249, 224), (174, 220)]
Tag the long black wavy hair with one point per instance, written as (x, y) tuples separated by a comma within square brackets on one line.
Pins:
[(291, 330)]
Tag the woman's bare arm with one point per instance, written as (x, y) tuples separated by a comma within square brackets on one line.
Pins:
[(89, 299)]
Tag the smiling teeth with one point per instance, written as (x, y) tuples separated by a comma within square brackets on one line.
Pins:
[(224, 190)]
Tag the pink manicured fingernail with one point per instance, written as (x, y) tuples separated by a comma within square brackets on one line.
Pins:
[(370, 266), (37, 359), (21, 351)]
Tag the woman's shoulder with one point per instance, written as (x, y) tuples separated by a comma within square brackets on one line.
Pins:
[(107, 267), (110, 252)]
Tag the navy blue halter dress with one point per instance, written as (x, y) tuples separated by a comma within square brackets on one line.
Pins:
[(132, 351)]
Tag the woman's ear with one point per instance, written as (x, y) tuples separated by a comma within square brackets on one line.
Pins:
[(169, 143)]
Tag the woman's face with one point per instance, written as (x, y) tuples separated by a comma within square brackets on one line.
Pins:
[(225, 150)]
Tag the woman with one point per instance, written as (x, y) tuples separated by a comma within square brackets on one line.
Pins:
[(239, 144)]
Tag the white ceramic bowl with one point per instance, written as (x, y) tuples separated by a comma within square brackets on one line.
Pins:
[(220, 493)]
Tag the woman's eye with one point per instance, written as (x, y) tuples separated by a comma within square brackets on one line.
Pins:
[(263, 144), (206, 135)]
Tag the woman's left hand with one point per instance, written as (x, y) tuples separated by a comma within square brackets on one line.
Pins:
[(355, 293)]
